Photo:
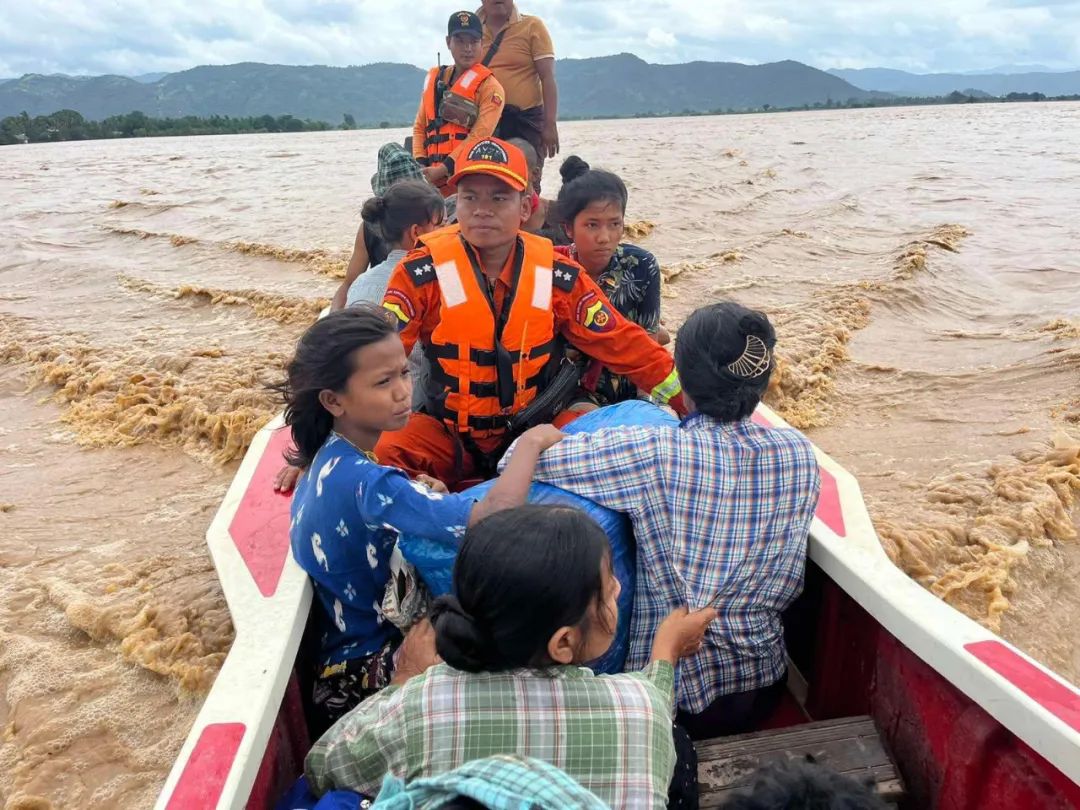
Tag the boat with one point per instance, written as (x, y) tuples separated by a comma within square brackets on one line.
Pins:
[(970, 720)]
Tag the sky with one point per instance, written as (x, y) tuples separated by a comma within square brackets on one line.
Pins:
[(130, 37)]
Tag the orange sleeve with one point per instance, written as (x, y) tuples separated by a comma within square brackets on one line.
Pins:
[(419, 131), (413, 304), (490, 98), (588, 320)]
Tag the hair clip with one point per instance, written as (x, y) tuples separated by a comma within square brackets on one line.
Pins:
[(755, 360)]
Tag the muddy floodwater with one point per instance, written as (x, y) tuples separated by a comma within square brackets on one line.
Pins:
[(920, 266)]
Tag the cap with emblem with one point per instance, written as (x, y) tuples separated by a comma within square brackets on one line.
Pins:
[(497, 158), (465, 22)]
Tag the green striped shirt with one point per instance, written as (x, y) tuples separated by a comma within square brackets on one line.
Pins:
[(612, 733)]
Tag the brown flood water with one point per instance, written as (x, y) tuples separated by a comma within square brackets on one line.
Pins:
[(919, 264)]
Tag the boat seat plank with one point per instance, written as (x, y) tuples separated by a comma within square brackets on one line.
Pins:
[(848, 745)]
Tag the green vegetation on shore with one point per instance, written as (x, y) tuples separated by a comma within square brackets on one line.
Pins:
[(68, 125)]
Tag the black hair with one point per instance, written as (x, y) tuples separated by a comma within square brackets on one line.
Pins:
[(520, 575), (324, 360), (404, 204), (583, 186), (713, 340), (804, 784), (532, 157)]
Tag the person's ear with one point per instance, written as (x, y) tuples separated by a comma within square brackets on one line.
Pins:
[(526, 207), (566, 230), (413, 235), (448, 44), (332, 402), (563, 644)]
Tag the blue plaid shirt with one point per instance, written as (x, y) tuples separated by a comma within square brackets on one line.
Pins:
[(721, 513)]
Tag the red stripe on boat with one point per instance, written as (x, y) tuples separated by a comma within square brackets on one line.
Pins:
[(829, 510), (208, 767), (1044, 689), (260, 527)]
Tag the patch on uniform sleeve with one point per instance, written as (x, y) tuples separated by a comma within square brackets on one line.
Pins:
[(401, 305), (594, 314), (421, 270), (497, 99), (565, 275)]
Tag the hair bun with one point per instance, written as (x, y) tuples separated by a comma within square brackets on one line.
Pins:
[(458, 640), (756, 324), (572, 168), (374, 210)]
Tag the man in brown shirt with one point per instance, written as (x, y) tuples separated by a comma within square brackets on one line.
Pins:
[(524, 64)]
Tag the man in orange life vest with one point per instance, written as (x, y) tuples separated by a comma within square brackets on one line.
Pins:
[(491, 306), (460, 103)]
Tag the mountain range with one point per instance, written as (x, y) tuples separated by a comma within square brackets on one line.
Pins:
[(902, 83), (619, 85)]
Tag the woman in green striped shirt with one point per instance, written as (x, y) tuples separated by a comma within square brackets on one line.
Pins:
[(535, 601)]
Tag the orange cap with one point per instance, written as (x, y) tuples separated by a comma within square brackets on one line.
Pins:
[(496, 158)]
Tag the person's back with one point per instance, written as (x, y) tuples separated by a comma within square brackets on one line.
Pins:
[(721, 508), (405, 212)]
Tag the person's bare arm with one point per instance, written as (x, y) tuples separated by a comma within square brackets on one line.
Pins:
[(512, 486), (358, 263), (419, 133), (681, 634), (546, 70)]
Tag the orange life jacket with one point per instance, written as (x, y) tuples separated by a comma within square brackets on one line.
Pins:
[(442, 137), (485, 368)]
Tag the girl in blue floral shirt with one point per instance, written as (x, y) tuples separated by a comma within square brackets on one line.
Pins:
[(348, 382), (591, 208)]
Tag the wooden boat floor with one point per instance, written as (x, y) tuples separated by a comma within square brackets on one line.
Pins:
[(848, 745)]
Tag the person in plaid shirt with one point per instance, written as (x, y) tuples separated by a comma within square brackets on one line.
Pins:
[(536, 599), (721, 509)]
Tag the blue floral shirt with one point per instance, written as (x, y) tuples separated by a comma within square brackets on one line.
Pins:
[(347, 514), (632, 284)]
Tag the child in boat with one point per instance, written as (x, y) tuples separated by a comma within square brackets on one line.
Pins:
[(721, 509), (536, 598), (348, 382), (406, 211), (590, 210), (369, 248)]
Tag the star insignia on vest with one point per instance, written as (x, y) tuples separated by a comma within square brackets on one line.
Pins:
[(421, 270), (489, 150), (564, 276)]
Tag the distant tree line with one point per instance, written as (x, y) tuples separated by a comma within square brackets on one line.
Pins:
[(68, 125), (851, 104)]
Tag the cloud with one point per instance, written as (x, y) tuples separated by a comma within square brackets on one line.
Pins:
[(659, 38), (132, 36)]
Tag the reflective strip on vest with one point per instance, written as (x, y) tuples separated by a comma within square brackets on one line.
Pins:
[(467, 79), (542, 288), (670, 387), (450, 283)]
